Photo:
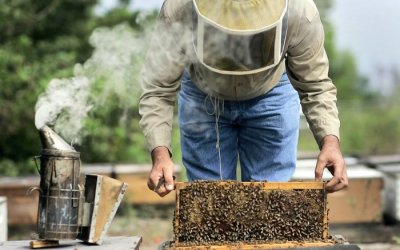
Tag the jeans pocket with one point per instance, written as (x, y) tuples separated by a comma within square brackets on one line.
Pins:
[(190, 90)]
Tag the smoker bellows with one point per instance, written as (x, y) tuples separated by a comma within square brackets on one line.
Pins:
[(68, 209)]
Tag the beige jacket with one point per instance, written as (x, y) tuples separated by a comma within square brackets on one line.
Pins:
[(171, 52)]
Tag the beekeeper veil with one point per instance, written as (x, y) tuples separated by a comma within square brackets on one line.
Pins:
[(239, 37)]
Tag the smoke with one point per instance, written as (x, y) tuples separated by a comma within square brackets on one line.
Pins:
[(113, 69), (66, 101)]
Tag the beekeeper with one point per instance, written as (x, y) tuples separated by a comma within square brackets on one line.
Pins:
[(241, 69)]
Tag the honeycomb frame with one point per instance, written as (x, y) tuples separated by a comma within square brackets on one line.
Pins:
[(230, 212)]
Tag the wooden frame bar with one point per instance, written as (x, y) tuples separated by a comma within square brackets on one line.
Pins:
[(254, 246), (270, 185)]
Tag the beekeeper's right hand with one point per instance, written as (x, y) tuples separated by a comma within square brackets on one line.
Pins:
[(161, 178)]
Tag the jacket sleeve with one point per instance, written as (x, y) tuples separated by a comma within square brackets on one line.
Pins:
[(308, 67), (160, 76)]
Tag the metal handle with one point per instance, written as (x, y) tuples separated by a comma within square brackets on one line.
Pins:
[(31, 189)]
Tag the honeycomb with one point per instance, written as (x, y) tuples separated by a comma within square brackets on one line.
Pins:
[(216, 213)]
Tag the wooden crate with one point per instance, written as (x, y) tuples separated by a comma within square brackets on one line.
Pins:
[(228, 215)]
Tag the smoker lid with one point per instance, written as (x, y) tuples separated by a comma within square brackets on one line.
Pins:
[(51, 140), (60, 153)]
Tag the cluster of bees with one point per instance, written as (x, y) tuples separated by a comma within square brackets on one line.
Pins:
[(213, 212)]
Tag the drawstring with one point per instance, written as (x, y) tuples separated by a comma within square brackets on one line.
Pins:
[(218, 108)]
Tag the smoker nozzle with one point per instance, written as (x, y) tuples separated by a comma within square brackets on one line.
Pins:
[(51, 140)]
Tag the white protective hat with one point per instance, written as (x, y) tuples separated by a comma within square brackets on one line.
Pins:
[(239, 37)]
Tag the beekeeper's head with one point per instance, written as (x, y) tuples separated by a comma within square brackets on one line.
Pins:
[(239, 36)]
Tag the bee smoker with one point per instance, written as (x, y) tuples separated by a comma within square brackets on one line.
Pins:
[(67, 209)]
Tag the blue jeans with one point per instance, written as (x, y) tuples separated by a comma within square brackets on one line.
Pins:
[(261, 132)]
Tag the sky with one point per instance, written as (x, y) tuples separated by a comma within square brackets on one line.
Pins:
[(147, 4), (369, 29)]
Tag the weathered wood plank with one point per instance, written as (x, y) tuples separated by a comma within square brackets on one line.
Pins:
[(35, 244)]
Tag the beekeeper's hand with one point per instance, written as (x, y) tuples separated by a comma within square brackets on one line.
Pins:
[(331, 158), (161, 178)]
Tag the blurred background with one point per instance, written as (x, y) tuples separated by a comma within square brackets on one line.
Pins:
[(48, 46)]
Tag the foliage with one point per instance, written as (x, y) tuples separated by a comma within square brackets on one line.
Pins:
[(14, 168), (343, 68), (371, 127), (43, 40), (35, 47)]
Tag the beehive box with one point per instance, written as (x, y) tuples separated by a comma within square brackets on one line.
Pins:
[(3, 218), (251, 214), (391, 173), (136, 176), (21, 208)]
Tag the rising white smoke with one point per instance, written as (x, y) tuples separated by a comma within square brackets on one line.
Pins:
[(64, 105), (116, 62)]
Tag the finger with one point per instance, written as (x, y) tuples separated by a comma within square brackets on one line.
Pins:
[(343, 183), (332, 183), (319, 169), (337, 175), (169, 179), (339, 181), (162, 191), (159, 189), (337, 187), (150, 184), (153, 181)]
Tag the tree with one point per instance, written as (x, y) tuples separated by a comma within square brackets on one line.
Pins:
[(36, 45), (370, 122), (352, 87), (42, 40)]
